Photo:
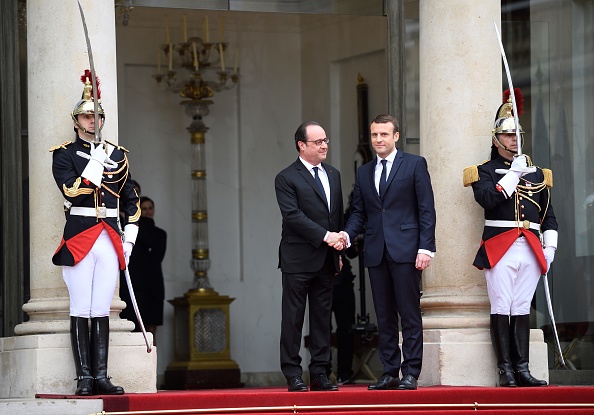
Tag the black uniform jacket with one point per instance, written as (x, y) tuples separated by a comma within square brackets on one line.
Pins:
[(530, 202), (80, 232)]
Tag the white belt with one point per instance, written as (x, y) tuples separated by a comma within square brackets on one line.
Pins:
[(100, 212), (512, 224)]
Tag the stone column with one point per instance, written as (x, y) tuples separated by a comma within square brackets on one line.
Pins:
[(460, 91), (56, 58)]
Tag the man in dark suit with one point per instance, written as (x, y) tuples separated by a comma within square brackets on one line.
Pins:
[(394, 198), (309, 195)]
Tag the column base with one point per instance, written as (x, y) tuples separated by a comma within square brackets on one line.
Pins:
[(43, 364), (465, 357)]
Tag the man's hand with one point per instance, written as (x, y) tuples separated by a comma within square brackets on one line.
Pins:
[(549, 254), (520, 166), (336, 241), (422, 262), (128, 246), (98, 154)]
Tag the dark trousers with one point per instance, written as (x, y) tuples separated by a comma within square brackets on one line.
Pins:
[(396, 292), (297, 289)]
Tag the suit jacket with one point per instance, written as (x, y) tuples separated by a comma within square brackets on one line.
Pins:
[(80, 232), (404, 219), (306, 218)]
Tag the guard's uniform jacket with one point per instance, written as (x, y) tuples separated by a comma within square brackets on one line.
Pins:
[(527, 211), (100, 205)]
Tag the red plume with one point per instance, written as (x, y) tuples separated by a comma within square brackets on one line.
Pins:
[(517, 95), (87, 75)]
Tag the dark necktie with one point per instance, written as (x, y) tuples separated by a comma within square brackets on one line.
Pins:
[(383, 180), (319, 182)]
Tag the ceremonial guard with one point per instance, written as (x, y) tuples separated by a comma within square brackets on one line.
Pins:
[(93, 176), (518, 242)]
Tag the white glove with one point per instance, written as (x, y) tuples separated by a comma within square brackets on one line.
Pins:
[(94, 168), (549, 254), (519, 166), (98, 154), (128, 246)]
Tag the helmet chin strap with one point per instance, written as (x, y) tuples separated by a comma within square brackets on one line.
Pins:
[(84, 130), (503, 146)]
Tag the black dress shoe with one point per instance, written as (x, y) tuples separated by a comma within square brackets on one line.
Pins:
[(408, 382), (320, 382), (386, 382), (296, 384)]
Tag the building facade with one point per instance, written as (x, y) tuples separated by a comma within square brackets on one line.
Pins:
[(435, 64)]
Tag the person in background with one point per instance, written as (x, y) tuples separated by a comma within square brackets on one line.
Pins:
[(393, 197), (93, 176), (146, 272), (309, 196), (516, 198)]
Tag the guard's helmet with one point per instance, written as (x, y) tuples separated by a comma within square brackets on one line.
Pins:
[(504, 118), (86, 104)]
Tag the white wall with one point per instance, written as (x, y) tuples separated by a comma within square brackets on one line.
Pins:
[(288, 63)]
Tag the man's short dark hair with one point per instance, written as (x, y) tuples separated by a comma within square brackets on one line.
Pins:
[(386, 118), (301, 133)]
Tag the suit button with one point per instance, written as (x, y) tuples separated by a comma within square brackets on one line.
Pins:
[(383, 210)]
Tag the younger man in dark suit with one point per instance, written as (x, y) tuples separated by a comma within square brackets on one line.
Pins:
[(394, 198), (309, 195)]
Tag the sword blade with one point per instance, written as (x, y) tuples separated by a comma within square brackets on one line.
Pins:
[(511, 88), (136, 310), (93, 77), (545, 281)]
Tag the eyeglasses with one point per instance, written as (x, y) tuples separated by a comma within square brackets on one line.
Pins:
[(319, 142)]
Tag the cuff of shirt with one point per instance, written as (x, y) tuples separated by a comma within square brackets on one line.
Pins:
[(425, 251), (326, 236)]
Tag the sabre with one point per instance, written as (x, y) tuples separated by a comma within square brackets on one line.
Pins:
[(136, 310), (511, 88), (512, 94), (93, 77), (550, 306)]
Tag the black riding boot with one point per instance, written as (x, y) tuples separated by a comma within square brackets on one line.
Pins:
[(520, 351), (501, 344), (99, 348), (79, 339)]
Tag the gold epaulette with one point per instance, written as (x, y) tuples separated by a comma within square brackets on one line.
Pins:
[(471, 175), (548, 177), (117, 146), (63, 145)]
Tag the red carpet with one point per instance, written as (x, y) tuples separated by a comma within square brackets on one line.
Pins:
[(356, 399)]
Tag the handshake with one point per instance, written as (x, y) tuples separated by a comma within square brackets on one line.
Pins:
[(338, 240)]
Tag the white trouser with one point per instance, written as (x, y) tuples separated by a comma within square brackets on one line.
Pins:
[(92, 282), (512, 281)]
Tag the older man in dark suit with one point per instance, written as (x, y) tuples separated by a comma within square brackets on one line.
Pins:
[(393, 197), (310, 199)]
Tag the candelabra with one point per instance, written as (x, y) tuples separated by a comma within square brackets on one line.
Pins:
[(196, 71)]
